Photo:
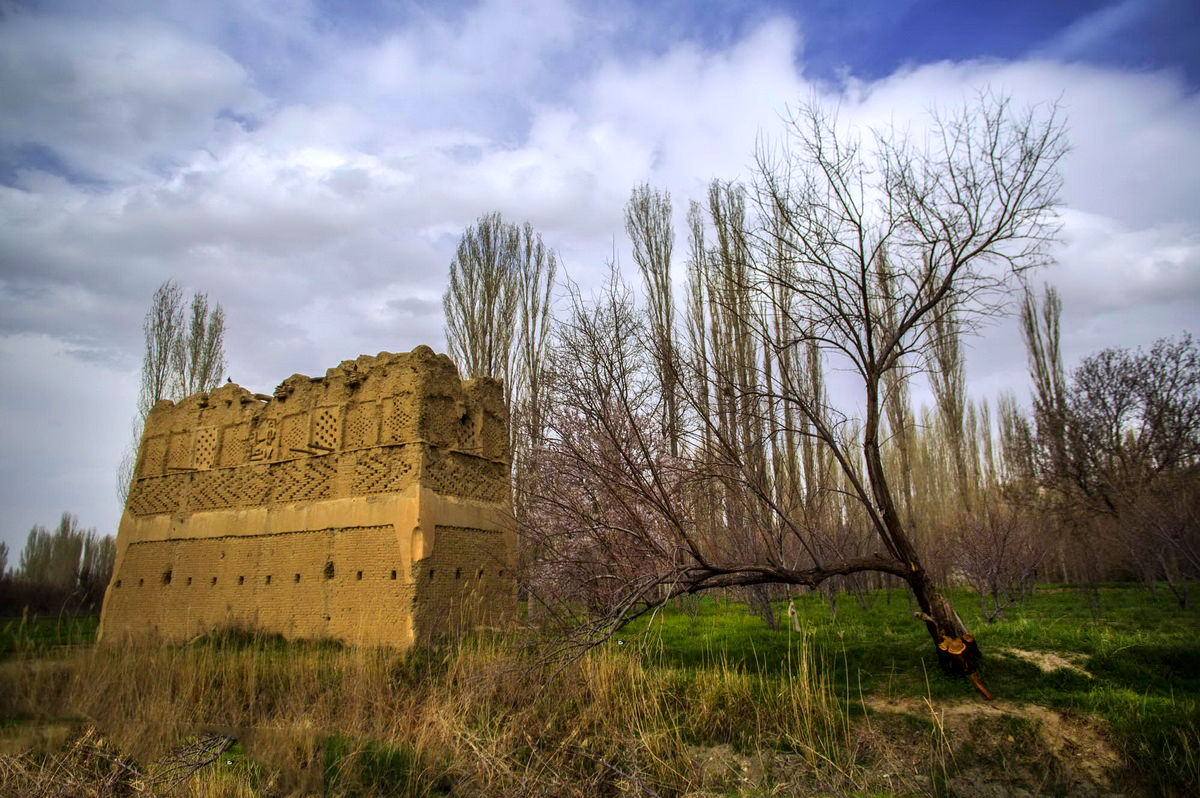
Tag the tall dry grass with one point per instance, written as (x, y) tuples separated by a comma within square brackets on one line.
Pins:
[(479, 718)]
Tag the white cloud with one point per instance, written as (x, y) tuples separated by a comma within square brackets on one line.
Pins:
[(113, 100)]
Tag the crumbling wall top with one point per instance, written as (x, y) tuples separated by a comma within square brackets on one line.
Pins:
[(426, 401)]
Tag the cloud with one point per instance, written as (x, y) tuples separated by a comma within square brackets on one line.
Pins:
[(113, 100)]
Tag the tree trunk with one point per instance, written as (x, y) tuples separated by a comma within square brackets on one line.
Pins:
[(957, 651)]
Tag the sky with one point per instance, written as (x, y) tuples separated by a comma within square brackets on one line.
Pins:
[(311, 165)]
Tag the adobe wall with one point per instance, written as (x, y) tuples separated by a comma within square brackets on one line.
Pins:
[(370, 505)]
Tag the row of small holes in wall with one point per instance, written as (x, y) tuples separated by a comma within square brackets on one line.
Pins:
[(166, 577), (458, 573)]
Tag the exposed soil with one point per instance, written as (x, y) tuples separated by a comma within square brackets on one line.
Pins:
[(1002, 748), (1048, 660)]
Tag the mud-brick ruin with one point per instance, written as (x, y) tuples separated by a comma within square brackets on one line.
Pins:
[(371, 505)]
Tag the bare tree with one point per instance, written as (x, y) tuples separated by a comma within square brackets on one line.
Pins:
[(948, 380), (1016, 470), (499, 315), (481, 300), (958, 219), (163, 329), (999, 552), (52, 558), (199, 356), (1125, 421), (1123, 447), (184, 354), (648, 223), (498, 309), (537, 266), (64, 568), (1040, 327)]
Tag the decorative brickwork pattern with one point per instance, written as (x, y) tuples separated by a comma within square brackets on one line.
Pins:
[(399, 418), (294, 435), (370, 505), (385, 470), (302, 480), (157, 495), (204, 449), (154, 457), (326, 429), (362, 425), (179, 452), (466, 476), (216, 489)]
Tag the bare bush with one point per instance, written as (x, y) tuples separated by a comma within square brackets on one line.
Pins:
[(999, 551)]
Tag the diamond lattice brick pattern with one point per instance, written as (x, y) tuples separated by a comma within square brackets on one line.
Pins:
[(325, 429), (294, 436), (205, 448)]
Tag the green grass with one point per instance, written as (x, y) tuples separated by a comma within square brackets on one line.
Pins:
[(37, 635), (1142, 658)]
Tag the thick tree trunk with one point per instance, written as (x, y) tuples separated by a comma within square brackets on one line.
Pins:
[(957, 651)]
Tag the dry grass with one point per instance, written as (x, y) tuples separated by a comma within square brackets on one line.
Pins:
[(475, 719)]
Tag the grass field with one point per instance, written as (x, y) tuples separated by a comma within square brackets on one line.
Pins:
[(701, 699)]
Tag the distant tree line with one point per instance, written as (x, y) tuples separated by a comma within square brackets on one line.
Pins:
[(64, 570), (1111, 452)]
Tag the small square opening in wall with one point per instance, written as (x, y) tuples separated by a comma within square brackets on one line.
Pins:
[(189, 580), (268, 579), (214, 580), (431, 573), (241, 580), (166, 577), (329, 570), (393, 574), (358, 576), (118, 583), (296, 578), (141, 582), (457, 573)]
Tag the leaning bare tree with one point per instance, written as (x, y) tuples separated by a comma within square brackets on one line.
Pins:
[(958, 218), (858, 258)]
